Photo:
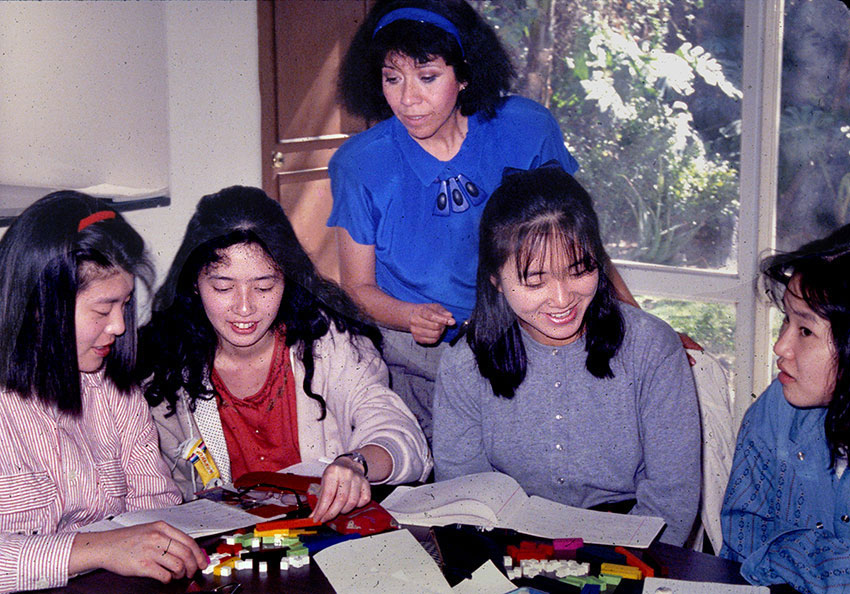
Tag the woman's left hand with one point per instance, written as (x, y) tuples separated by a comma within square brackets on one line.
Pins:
[(344, 487)]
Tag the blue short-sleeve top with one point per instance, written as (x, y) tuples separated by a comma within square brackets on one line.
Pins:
[(422, 214)]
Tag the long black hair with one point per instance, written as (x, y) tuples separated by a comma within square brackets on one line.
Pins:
[(49, 254), (481, 61), (178, 345), (528, 212), (823, 268)]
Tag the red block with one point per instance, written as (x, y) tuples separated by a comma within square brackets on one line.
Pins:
[(632, 560), (228, 549)]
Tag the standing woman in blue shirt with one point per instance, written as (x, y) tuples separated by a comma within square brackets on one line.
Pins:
[(408, 192), (786, 514)]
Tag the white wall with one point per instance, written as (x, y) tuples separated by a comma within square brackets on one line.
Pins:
[(213, 113), (147, 94), (84, 95)]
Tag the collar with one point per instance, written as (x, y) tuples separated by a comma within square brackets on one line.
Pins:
[(425, 166)]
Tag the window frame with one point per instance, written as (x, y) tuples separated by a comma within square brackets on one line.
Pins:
[(760, 113)]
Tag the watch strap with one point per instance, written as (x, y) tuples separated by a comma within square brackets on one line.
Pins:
[(357, 457)]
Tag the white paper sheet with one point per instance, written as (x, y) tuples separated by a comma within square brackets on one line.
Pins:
[(392, 562), (666, 586), (201, 517), (487, 579)]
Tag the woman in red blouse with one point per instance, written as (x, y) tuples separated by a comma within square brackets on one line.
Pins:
[(266, 363)]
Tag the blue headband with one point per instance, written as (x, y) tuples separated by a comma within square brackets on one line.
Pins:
[(421, 15)]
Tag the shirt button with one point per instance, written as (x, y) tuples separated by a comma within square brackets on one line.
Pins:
[(801, 456), (558, 417), (558, 384), (554, 352), (559, 447), (262, 457), (561, 480), (845, 518), (256, 430), (819, 525)]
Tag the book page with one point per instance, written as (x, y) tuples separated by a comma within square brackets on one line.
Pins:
[(493, 499), (477, 499), (549, 519), (201, 517)]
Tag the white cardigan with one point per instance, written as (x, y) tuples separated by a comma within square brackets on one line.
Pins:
[(361, 410)]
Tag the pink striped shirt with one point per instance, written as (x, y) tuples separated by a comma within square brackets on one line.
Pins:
[(58, 473)]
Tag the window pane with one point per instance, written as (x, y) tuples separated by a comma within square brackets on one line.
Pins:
[(648, 96), (814, 141), (712, 325)]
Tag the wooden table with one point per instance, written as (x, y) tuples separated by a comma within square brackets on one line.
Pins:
[(681, 563)]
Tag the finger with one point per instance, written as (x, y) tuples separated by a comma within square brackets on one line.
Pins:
[(192, 554), (441, 317), (186, 565), (155, 571), (365, 494), (426, 336), (425, 339), (343, 501), (326, 494), (445, 316), (428, 325), (174, 564)]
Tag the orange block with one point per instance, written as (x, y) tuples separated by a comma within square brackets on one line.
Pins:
[(632, 560), (286, 524)]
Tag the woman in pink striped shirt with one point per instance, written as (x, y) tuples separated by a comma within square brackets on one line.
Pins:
[(77, 443)]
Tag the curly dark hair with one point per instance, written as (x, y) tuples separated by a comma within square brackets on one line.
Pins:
[(482, 62), (177, 347), (823, 268), (529, 212)]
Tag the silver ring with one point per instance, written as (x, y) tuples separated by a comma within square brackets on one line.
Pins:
[(165, 552)]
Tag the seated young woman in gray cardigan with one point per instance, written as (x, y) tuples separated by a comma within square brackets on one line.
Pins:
[(252, 352), (582, 399)]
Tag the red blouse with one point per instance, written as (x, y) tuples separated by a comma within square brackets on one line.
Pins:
[(261, 430)]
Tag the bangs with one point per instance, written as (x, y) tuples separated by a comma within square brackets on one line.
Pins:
[(90, 270), (816, 288), (545, 240)]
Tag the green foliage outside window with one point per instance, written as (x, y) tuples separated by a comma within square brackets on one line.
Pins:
[(619, 86), (712, 325)]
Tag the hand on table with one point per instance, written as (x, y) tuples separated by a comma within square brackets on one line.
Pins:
[(428, 321), (155, 550), (344, 487)]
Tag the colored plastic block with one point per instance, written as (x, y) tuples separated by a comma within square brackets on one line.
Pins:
[(625, 571), (632, 560)]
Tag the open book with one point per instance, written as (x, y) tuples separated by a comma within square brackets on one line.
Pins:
[(201, 517), (496, 500)]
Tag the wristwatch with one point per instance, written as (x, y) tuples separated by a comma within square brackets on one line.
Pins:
[(357, 457)]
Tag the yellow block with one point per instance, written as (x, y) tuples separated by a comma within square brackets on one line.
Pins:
[(624, 571)]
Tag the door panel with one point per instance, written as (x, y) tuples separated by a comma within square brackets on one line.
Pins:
[(302, 43)]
